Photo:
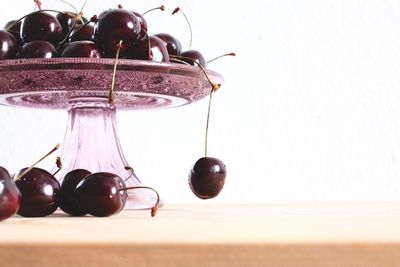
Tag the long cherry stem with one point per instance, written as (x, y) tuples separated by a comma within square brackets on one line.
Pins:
[(176, 10), (214, 86), (225, 55), (34, 164), (77, 17), (207, 124), (155, 207), (111, 94), (162, 8), (81, 12), (179, 61), (69, 35)]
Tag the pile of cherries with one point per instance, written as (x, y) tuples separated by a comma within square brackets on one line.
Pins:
[(41, 34), (37, 193)]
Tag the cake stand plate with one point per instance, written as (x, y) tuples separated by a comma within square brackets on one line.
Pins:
[(82, 85)]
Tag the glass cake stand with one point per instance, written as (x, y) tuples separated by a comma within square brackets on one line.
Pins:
[(81, 86)]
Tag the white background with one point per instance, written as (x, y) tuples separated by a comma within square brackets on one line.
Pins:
[(310, 110)]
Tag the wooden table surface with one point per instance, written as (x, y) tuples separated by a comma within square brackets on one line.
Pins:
[(346, 234)]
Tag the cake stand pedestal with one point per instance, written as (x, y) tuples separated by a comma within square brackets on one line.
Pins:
[(81, 86)]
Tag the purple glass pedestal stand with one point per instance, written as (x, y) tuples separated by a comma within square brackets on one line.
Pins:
[(81, 86)]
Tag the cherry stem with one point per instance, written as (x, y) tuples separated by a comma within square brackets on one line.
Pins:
[(111, 94), (71, 5), (69, 32), (34, 164), (179, 61), (225, 55), (78, 16), (81, 12), (162, 8), (69, 35), (155, 207), (215, 86), (38, 4), (58, 164), (129, 168), (208, 123), (176, 10)]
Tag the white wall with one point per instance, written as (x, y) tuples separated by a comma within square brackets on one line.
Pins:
[(310, 110)]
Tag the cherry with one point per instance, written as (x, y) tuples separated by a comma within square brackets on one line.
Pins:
[(68, 20), (193, 55), (83, 33), (207, 177), (103, 194), (10, 196), (39, 190), (68, 199), (14, 27), (99, 194), (174, 47), (9, 46), (82, 49), (38, 49), (104, 12), (158, 51), (41, 26), (114, 26)]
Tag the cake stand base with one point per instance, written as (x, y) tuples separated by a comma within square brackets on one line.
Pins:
[(82, 86), (91, 142)]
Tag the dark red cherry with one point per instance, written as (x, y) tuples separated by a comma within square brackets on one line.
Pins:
[(114, 26), (10, 196), (38, 49), (83, 33), (14, 27), (103, 13), (68, 201), (158, 51), (143, 25), (100, 194), (193, 55), (82, 49), (207, 177), (174, 47), (67, 20), (9, 46), (41, 26), (39, 193)]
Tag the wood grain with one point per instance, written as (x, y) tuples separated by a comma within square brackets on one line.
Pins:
[(347, 234)]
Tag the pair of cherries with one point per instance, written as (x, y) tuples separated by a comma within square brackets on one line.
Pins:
[(99, 194)]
